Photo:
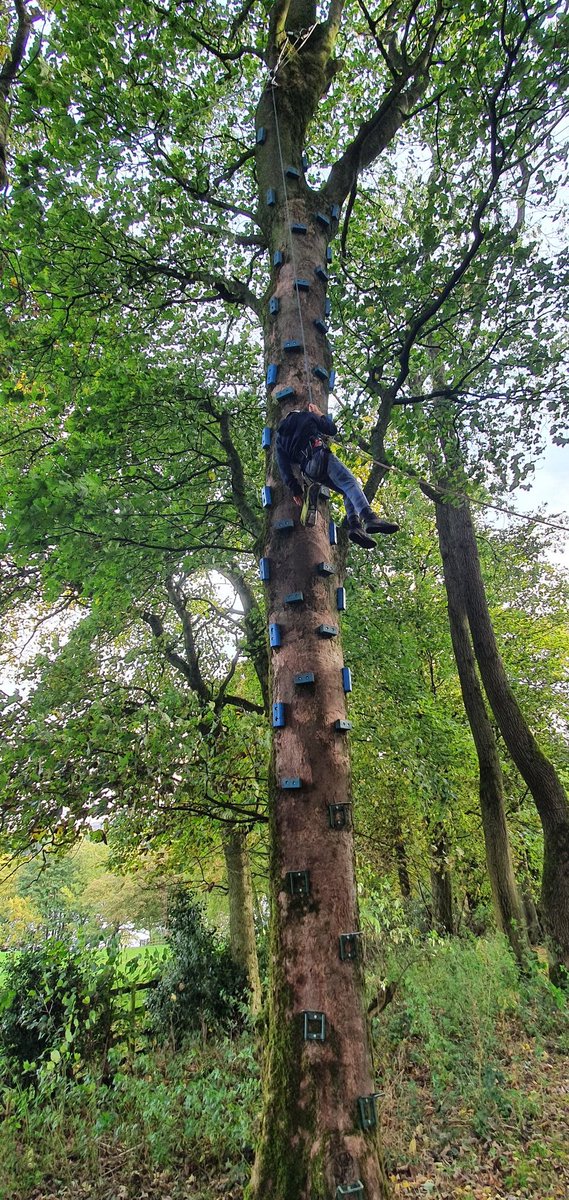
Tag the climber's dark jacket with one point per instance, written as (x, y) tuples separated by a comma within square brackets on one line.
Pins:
[(298, 438)]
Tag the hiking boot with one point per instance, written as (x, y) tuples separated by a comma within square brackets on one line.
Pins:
[(374, 524), (357, 534), (360, 538)]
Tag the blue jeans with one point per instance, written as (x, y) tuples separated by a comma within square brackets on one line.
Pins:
[(326, 468)]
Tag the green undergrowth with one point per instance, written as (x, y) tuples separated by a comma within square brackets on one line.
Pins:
[(191, 1114), (470, 1065)]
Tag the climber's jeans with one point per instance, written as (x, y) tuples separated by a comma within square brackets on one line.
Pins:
[(337, 476)]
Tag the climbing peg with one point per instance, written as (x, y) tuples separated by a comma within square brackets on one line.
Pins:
[(327, 631), (264, 569), (320, 325), (302, 285), (278, 258), (272, 372), (314, 1026), (321, 373), (335, 212), (322, 274), (367, 1111), (285, 393), (298, 227), (304, 677), (342, 726), (274, 305), (332, 379), (325, 568), (292, 344), (346, 679), (292, 173), (349, 947), (286, 525), (329, 254), (332, 533), (341, 602), (350, 1189), (323, 220), (294, 598), (271, 197), (298, 883), (327, 307), (261, 135), (338, 816), (278, 715), (274, 635), (290, 783), (266, 437), (266, 496)]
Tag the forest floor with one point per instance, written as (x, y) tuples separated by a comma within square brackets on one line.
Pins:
[(524, 1155)]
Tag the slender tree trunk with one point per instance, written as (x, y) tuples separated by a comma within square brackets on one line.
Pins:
[(402, 867), (441, 883), (318, 1072), (537, 771), (241, 922), (533, 923), (507, 902)]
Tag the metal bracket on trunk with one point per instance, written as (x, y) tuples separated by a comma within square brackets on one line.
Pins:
[(349, 946), (298, 883), (367, 1110), (314, 1026), (338, 816)]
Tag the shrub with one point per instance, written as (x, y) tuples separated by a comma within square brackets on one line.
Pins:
[(201, 987), (55, 1003)]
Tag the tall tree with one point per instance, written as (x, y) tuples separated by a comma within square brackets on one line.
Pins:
[(150, 196)]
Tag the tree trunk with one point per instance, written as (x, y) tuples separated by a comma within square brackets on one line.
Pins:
[(441, 884), (537, 771), (533, 924), (319, 1129), (507, 903), (402, 867), (241, 923)]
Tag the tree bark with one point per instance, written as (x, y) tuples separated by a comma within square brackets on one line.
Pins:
[(441, 884), (313, 1139), (535, 768), (507, 903), (241, 922)]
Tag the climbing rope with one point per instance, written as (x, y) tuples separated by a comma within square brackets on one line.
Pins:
[(291, 244), (510, 512)]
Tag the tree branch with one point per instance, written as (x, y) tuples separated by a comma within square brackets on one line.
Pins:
[(10, 68)]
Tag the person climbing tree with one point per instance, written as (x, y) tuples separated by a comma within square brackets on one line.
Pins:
[(302, 443)]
